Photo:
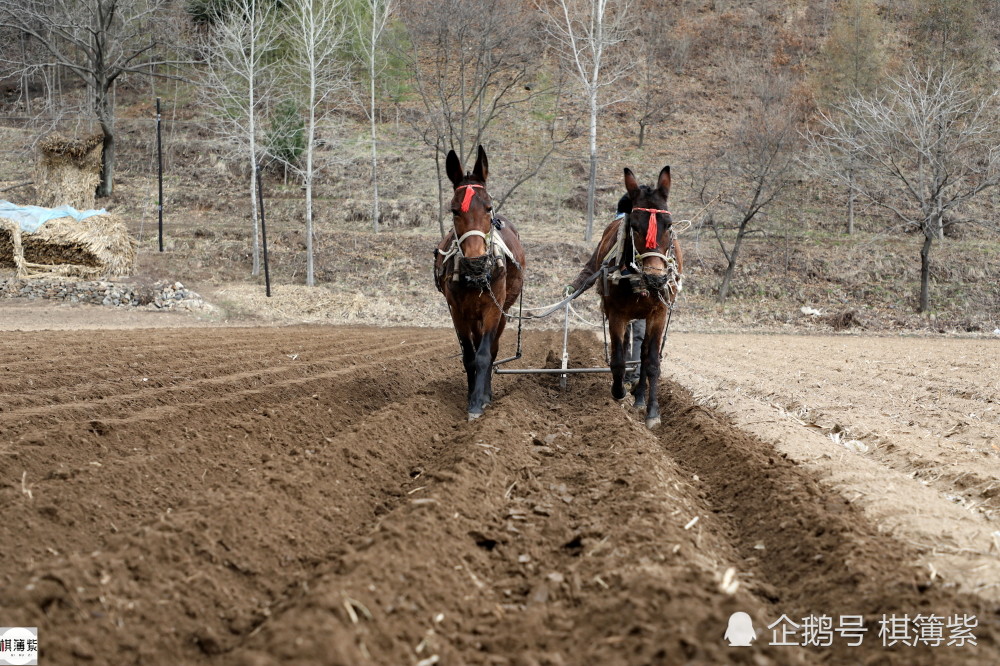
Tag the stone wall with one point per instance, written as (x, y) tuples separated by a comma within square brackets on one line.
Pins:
[(155, 296)]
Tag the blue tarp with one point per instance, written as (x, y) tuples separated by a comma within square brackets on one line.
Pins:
[(32, 217)]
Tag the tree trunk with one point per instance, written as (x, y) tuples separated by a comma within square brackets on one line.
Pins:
[(642, 134), (437, 165), (925, 271), (592, 182), (25, 81), (106, 187), (591, 194), (851, 198), (255, 269), (105, 115), (310, 139), (252, 136), (727, 279), (371, 76)]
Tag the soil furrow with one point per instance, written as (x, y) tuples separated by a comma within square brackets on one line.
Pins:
[(116, 409), (338, 509), (32, 388)]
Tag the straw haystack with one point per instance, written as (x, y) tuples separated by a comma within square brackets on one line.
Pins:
[(97, 245), (68, 170)]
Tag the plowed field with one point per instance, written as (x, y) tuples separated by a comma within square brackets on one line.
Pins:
[(314, 495)]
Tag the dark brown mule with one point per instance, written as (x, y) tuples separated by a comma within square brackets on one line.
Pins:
[(651, 260), (479, 267)]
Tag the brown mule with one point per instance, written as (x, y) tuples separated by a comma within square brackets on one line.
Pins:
[(650, 268), (479, 267)]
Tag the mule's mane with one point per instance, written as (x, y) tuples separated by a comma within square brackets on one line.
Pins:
[(645, 191)]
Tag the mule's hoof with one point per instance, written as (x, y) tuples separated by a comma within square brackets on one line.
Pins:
[(618, 396), (653, 422), (473, 416), (640, 404)]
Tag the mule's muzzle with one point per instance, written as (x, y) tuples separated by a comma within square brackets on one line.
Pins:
[(656, 281), (476, 273), (638, 284)]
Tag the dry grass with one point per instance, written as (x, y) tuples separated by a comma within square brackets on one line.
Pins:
[(98, 245), (298, 303), (68, 171), (394, 213)]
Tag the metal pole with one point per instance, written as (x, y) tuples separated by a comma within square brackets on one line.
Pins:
[(565, 354), (549, 371), (159, 176), (263, 233), (520, 321)]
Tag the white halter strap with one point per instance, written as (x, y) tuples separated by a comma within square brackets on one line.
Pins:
[(473, 232)]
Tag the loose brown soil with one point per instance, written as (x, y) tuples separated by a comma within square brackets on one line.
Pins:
[(313, 495)]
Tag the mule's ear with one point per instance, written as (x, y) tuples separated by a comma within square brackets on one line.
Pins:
[(482, 168), (663, 184), (631, 184), (453, 167)]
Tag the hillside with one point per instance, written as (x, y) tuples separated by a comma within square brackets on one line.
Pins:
[(800, 257)]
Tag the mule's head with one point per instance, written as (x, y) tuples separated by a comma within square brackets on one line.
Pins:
[(471, 205), (649, 224)]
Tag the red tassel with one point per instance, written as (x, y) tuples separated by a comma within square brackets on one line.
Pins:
[(652, 228), (651, 232), (469, 193)]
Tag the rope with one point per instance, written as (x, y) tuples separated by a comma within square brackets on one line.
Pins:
[(580, 317), (549, 309)]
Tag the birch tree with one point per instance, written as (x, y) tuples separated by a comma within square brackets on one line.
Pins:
[(238, 84), (930, 133), (369, 19), (586, 33), (315, 35), (97, 41)]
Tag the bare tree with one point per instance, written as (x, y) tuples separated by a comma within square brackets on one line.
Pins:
[(370, 19), (319, 79), (930, 133), (471, 64), (585, 33), (97, 41), (852, 63), (952, 30), (657, 59), (755, 167), (238, 82)]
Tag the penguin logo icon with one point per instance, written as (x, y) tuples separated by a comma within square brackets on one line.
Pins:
[(740, 632)]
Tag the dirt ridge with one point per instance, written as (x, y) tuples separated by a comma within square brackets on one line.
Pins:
[(313, 495)]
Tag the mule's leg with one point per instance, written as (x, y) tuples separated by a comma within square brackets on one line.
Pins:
[(655, 328), (493, 357), (483, 362), (469, 361), (640, 387), (616, 328)]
